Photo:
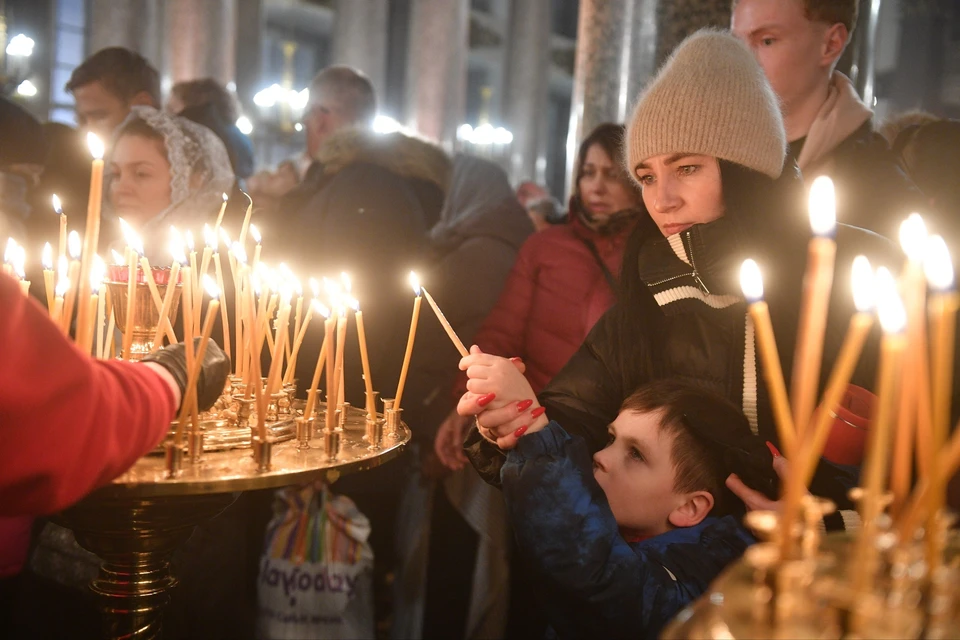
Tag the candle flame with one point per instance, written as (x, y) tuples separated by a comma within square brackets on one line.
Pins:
[(415, 283), (319, 307), (117, 258), (130, 236), (63, 267), (314, 287), (188, 237), (63, 284), (347, 283), (9, 250), (332, 290), (239, 253), (913, 237), (255, 233), (225, 237), (73, 245), (209, 238), (285, 291), (176, 246), (893, 316), (225, 196), (97, 270), (823, 207), (46, 257), (864, 285), (95, 145), (210, 286), (353, 303), (57, 206), (751, 281), (937, 264), (19, 262)]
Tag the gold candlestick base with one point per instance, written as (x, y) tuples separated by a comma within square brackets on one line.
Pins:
[(146, 317)]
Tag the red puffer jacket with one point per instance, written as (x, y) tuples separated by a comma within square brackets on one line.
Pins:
[(554, 295)]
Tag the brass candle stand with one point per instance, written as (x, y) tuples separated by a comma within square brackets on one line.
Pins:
[(135, 523)]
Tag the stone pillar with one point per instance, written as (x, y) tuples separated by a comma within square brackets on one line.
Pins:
[(250, 24), (435, 93), (527, 75), (201, 38), (132, 24), (620, 44), (859, 60), (360, 39)]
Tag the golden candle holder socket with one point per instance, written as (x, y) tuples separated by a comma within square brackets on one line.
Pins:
[(244, 410), (273, 407), (146, 317), (173, 459), (342, 410), (195, 446), (290, 393), (262, 454), (388, 405), (331, 442), (304, 432), (374, 433), (393, 421)]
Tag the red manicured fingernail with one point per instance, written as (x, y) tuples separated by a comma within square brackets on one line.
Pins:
[(523, 405), (773, 449), (485, 400), (522, 430), (539, 411)]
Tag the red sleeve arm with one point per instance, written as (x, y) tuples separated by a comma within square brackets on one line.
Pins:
[(505, 327), (69, 423)]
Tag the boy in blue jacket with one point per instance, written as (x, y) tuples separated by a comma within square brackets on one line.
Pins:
[(621, 542)]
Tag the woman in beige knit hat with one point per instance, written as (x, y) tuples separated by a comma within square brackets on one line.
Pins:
[(706, 144)]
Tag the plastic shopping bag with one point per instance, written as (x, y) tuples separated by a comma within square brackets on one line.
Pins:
[(316, 570)]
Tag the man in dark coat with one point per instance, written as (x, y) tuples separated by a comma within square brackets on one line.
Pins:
[(829, 129), (363, 208)]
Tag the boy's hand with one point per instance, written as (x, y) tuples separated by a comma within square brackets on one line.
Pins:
[(500, 397), (754, 500)]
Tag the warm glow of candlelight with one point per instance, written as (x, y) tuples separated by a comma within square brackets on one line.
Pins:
[(176, 246), (238, 252), (19, 262), (73, 245), (319, 307), (117, 258), (97, 271), (188, 238), (46, 257), (864, 285), (347, 283), (937, 264), (57, 205), (823, 207), (225, 238), (63, 284), (209, 237), (314, 287), (255, 233), (63, 267), (913, 237), (893, 315), (9, 250), (353, 303), (751, 281), (415, 283), (210, 286), (130, 237), (95, 145)]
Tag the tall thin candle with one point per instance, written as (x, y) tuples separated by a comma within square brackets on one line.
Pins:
[(73, 273), (62, 238), (46, 258), (364, 360), (411, 337), (91, 235)]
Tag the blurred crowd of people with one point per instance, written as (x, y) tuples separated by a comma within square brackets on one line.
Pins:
[(518, 273)]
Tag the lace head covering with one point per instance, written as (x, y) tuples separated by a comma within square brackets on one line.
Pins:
[(200, 170)]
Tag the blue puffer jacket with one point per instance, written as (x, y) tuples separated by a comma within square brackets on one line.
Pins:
[(596, 584)]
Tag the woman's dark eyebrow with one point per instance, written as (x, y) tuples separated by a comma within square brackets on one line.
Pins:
[(676, 157)]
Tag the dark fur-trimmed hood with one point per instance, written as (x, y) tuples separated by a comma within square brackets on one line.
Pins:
[(401, 154)]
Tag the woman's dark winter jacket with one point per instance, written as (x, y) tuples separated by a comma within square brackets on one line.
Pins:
[(555, 293), (238, 145), (594, 584), (681, 314)]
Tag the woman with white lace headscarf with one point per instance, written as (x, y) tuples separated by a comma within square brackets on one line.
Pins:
[(166, 170)]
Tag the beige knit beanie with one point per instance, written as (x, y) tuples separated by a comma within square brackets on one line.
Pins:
[(709, 98)]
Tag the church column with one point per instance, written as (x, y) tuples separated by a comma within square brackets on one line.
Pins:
[(360, 39), (201, 38)]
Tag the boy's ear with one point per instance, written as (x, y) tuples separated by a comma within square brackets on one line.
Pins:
[(834, 42), (693, 510)]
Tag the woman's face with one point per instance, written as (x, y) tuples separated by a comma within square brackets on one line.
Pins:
[(139, 178), (603, 188), (681, 190)]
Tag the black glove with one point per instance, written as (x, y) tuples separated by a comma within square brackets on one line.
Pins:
[(213, 371)]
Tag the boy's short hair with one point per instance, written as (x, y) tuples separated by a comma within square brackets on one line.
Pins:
[(122, 72), (351, 88), (686, 412)]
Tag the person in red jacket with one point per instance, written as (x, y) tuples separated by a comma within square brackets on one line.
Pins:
[(564, 279), (71, 423)]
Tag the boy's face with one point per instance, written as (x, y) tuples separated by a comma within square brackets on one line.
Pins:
[(636, 473)]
